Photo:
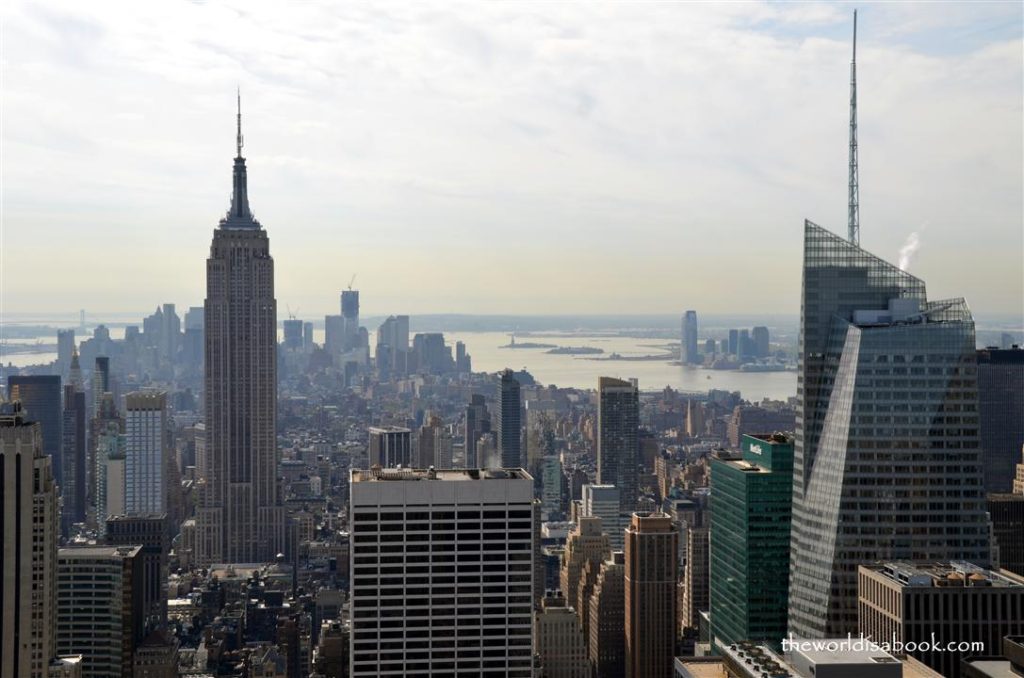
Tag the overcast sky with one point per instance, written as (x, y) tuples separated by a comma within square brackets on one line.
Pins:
[(506, 157)]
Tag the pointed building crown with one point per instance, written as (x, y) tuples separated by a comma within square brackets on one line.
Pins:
[(239, 215)]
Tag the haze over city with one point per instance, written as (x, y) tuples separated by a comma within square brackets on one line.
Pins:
[(507, 158)]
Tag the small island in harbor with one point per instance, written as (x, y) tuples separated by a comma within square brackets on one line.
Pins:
[(526, 344), (576, 350)]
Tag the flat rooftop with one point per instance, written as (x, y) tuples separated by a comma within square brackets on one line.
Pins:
[(98, 551), (377, 475), (946, 574)]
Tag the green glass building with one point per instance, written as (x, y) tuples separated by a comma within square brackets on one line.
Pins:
[(751, 507)]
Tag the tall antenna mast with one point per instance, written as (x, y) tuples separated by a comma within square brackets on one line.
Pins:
[(854, 206), (238, 139)]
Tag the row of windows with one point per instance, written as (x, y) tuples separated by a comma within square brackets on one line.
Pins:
[(408, 516)]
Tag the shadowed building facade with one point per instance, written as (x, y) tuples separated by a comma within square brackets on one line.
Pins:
[(887, 457), (618, 424), (240, 516), (652, 551)]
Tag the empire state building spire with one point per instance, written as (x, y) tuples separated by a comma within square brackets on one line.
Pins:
[(239, 215)]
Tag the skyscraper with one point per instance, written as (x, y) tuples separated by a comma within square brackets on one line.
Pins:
[(40, 399), (618, 421), (689, 354), (605, 502), (606, 644), (74, 459), (652, 550), (1001, 406), (350, 314), (887, 462), (508, 428), (751, 506), (240, 517), (478, 422), (28, 566), (389, 446), (761, 339), (65, 349), (474, 617), (100, 613), (560, 643), (100, 382), (146, 453)]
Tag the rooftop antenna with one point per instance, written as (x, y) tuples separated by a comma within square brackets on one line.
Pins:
[(239, 138), (854, 204)]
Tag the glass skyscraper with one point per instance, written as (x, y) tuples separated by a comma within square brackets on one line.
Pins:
[(618, 423), (887, 461), (751, 504)]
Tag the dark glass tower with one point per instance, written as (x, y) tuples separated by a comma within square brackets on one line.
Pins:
[(240, 516), (618, 425), (887, 460), (40, 397), (509, 424)]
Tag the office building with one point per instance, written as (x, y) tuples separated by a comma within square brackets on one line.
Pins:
[(478, 422), (334, 334), (65, 348), (689, 354), (887, 461), (100, 382), (150, 533), (110, 444), (745, 348), (99, 607), (393, 346), (751, 511), (1001, 410), (552, 505), (755, 419), (414, 611), (239, 517), (293, 334), (1018, 480), (696, 585), (350, 314), (652, 548), (761, 340), (586, 545), (949, 602), (1007, 514), (40, 397), (734, 342), (389, 446), (618, 423), (508, 427), (74, 459), (607, 642), (821, 658), (29, 523), (604, 502), (146, 453), (307, 336), (561, 647)]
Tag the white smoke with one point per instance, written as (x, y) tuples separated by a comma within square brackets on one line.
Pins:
[(910, 247)]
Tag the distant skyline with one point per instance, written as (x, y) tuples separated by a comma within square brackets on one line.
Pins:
[(522, 158)]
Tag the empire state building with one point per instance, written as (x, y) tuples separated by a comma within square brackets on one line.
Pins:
[(240, 518)]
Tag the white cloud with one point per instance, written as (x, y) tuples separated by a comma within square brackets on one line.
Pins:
[(623, 157)]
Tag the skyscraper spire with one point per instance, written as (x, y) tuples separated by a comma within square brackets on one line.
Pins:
[(239, 215), (854, 203), (239, 138)]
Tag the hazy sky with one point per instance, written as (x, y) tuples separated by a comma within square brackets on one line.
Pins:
[(506, 157)]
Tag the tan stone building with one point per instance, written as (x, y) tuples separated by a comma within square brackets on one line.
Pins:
[(240, 518), (939, 603), (588, 543), (652, 544), (30, 521), (561, 645), (607, 625)]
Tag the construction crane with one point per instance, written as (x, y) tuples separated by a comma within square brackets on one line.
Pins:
[(352, 281)]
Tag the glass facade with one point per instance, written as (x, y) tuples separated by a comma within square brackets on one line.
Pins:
[(887, 461), (751, 501)]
